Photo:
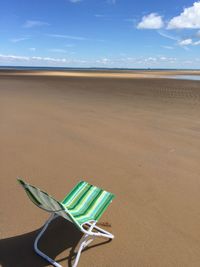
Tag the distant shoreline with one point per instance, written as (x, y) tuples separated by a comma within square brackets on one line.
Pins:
[(97, 73), (92, 69)]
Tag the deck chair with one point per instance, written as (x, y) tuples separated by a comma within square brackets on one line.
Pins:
[(83, 207)]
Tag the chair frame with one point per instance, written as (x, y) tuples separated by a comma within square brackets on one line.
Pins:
[(89, 228), (88, 236)]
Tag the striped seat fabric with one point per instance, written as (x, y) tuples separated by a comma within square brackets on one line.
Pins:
[(83, 204), (87, 202)]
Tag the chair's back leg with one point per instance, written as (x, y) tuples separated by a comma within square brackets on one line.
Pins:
[(39, 252)]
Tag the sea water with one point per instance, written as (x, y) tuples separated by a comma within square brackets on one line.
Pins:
[(185, 77)]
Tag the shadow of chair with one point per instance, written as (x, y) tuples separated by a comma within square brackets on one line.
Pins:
[(61, 235)]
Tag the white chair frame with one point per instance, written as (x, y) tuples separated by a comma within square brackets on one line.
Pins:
[(87, 238)]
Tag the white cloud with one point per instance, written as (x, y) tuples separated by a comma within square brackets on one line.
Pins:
[(180, 42), (189, 18), (49, 59), (167, 35), (72, 37), (151, 21), (32, 48), (196, 43), (35, 23), (130, 62), (40, 61), (103, 61), (159, 60), (13, 58), (150, 59), (16, 40), (163, 58), (185, 42), (78, 38), (121, 62), (188, 41)]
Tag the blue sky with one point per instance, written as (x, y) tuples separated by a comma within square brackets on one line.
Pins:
[(100, 33)]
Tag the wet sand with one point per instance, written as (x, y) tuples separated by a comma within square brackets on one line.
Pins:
[(138, 138)]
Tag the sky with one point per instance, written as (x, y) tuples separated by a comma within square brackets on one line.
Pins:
[(100, 33)]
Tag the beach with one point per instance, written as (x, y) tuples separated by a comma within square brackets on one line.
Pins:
[(133, 134)]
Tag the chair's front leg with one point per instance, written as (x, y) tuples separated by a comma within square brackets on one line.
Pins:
[(84, 242), (39, 252)]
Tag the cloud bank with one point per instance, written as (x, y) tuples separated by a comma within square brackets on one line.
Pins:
[(188, 19), (122, 62)]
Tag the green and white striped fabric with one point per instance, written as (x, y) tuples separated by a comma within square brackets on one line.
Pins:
[(83, 204), (87, 202), (44, 200)]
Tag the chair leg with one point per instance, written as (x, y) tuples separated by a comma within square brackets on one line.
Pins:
[(39, 252), (84, 242), (88, 238)]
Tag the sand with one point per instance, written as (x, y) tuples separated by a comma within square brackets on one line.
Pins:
[(117, 74), (138, 138)]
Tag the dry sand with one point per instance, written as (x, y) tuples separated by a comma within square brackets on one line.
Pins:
[(138, 138), (118, 74)]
